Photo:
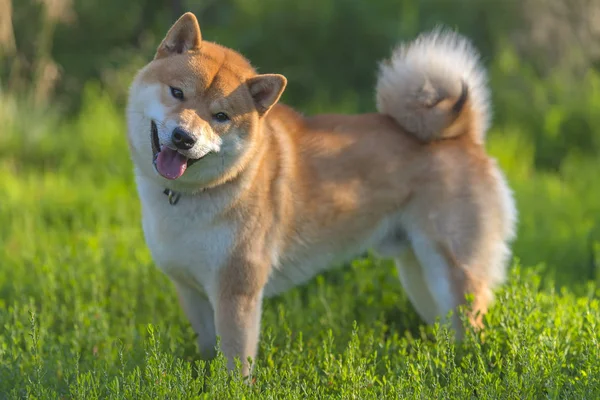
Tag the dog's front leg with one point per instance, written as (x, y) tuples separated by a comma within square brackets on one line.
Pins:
[(200, 313), (238, 312)]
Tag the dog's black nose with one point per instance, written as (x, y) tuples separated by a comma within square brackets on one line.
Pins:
[(182, 140)]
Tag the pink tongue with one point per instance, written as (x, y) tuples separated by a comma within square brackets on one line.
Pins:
[(170, 163)]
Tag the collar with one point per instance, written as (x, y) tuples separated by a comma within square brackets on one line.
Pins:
[(172, 196)]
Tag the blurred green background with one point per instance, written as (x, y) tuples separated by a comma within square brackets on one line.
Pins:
[(65, 67)]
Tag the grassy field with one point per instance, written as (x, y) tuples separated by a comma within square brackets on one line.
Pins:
[(85, 314)]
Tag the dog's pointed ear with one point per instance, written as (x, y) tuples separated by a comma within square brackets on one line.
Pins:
[(183, 36), (266, 89)]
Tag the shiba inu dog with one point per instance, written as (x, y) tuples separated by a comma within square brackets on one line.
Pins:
[(243, 197)]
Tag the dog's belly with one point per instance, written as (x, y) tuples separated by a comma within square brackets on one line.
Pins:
[(296, 271), (307, 261)]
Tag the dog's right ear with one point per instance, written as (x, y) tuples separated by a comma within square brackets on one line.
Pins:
[(183, 36)]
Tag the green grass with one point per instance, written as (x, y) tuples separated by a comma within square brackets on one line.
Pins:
[(84, 313)]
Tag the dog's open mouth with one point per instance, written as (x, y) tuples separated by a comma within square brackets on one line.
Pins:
[(170, 163)]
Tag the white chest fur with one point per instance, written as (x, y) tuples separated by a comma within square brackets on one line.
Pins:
[(188, 241)]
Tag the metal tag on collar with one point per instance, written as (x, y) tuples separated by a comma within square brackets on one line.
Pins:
[(173, 196)]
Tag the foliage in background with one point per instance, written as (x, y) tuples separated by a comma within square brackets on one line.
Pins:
[(546, 91)]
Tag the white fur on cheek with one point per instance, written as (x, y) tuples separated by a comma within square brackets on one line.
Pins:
[(154, 109), (144, 106)]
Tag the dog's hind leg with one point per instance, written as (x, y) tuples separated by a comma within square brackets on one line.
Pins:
[(411, 273), (412, 277), (451, 274), (438, 278)]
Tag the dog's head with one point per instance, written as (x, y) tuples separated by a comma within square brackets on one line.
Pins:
[(196, 109)]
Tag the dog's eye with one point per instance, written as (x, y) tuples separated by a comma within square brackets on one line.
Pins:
[(177, 93), (221, 117)]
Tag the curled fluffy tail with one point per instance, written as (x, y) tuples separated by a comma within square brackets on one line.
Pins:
[(436, 88)]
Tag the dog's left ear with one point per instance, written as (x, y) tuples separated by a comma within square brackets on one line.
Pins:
[(266, 89), (183, 36)]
